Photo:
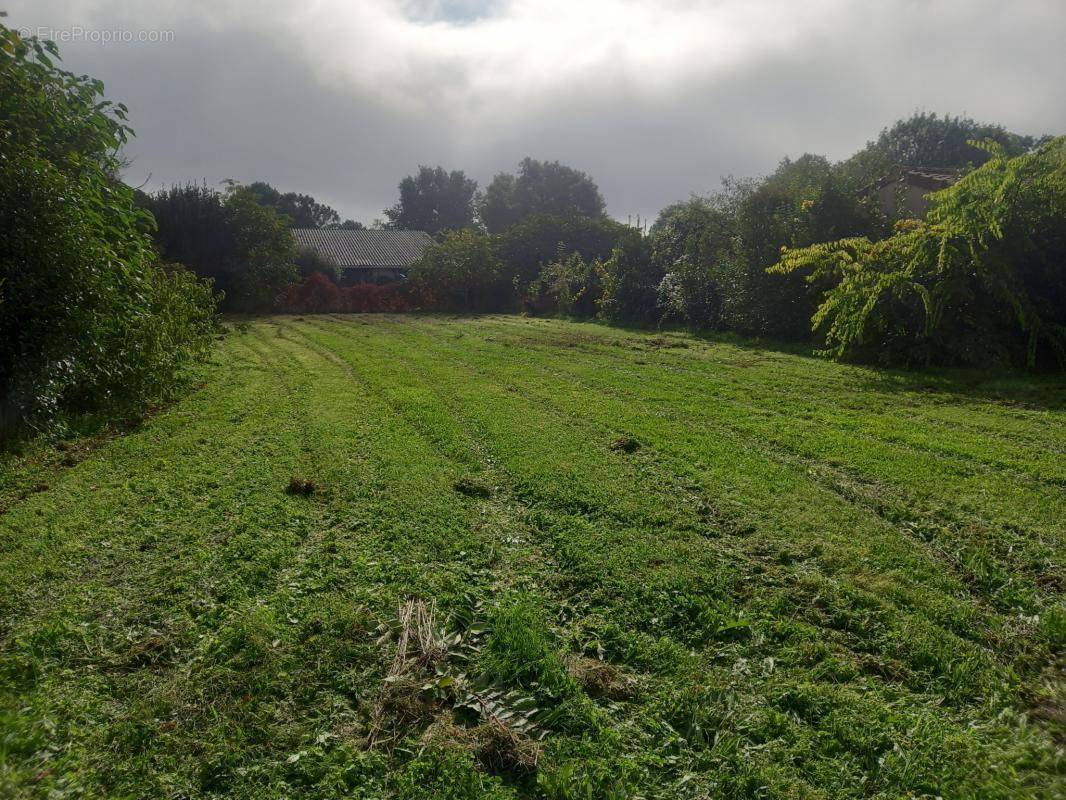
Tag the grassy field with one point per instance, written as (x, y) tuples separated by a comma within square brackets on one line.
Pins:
[(434, 557)]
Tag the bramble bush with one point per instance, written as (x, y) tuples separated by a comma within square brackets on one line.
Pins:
[(317, 294), (91, 321)]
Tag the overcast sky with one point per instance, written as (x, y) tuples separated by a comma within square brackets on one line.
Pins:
[(656, 99)]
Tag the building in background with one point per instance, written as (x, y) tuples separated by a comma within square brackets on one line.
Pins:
[(364, 256)]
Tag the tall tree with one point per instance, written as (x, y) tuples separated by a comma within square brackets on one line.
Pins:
[(929, 140), (243, 245), (302, 209), (540, 187), (435, 200)]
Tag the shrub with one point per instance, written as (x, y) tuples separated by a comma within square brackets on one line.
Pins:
[(462, 273), (90, 320), (630, 281), (981, 280), (243, 246), (689, 241), (542, 239), (317, 294), (569, 285)]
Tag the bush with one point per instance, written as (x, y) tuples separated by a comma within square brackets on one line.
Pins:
[(319, 295), (569, 285), (981, 280), (462, 273), (91, 322), (542, 239), (630, 281), (229, 237), (690, 241)]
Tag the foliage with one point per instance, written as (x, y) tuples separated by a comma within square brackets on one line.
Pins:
[(569, 285), (630, 281), (447, 774), (714, 252), (540, 187), (309, 261), (265, 250), (462, 272), (929, 140), (317, 294), (302, 210), (690, 242), (90, 321), (434, 201), (981, 280), (539, 239), (230, 237)]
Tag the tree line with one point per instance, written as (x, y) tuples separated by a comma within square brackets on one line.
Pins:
[(109, 295), (803, 254)]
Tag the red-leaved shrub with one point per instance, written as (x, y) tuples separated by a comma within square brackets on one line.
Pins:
[(317, 294)]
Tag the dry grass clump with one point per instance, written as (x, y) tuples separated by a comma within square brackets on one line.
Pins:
[(419, 692), (625, 444), (497, 747), (419, 640), (600, 679), (303, 487), (419, 645)]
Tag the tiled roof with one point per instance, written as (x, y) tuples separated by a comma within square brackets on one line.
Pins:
[(364, 248), (926, 178)]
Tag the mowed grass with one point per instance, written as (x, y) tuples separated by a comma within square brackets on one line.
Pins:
[(438, 557)]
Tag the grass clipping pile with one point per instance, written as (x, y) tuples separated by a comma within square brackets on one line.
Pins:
[(426, 689)]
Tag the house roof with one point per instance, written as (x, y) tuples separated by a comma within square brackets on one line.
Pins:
[(930, 178), (364, 248)]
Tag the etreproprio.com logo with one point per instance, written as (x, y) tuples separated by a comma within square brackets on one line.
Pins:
[(77, 33)]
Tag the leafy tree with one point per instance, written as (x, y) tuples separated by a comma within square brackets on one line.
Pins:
[(690, 243), (309, 261), (243, 246), (932, 141), (90, 321), (434, 200), (569, 285), (302, 210), (541, 238), (348, 225), (461, 273), (981, 279), (265, 251), (713, 252), (540, 187)]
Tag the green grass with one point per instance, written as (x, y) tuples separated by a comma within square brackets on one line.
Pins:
[(647, 566)]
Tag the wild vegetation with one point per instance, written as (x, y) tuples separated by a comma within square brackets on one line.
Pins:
[(92, 322), (806, 254), (506, 557), (980, 281)]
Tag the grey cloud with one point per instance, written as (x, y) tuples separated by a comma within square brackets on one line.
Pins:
[(239, 96)]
